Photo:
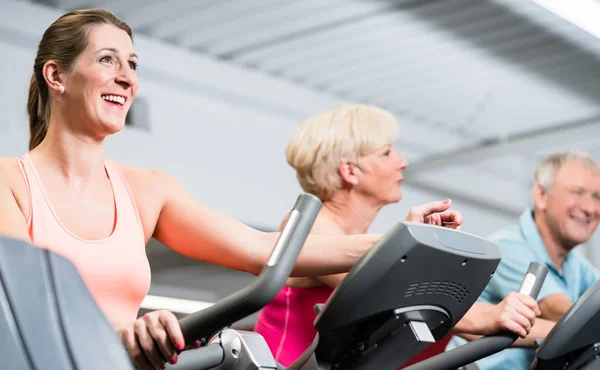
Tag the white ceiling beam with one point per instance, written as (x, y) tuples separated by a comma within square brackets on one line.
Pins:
[(428, 138), (411, 74), (433, 50), (524, 143), (353, 50), (280, 57), (250, 20), (442, 53), (411, 86), (295, 23), (193, 20), (159, 12), (208, 21), (304, 46), (549, 19), (398, 34), (558, 64)]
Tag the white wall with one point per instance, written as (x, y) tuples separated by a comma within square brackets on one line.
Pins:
[(220, 129)]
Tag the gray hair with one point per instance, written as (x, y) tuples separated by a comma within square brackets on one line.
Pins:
[(546, 170)]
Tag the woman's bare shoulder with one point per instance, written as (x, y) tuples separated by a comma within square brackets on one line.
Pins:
[(10, 174), (143, 182), (12, 181), (149, 189), (8, 166)]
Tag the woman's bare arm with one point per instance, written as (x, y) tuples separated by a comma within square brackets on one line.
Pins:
[(194, 230)]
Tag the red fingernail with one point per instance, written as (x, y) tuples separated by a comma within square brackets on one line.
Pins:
[(180, 346), (174, 360)]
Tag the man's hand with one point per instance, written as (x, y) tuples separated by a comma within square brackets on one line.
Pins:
[(436, 213), (516, 313)]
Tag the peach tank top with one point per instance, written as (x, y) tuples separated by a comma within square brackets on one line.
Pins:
[(115, 269)]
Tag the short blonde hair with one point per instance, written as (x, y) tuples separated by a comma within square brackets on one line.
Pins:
[(324, 140), (547, 168)]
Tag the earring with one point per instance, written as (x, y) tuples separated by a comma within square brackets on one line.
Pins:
[(61, 88)]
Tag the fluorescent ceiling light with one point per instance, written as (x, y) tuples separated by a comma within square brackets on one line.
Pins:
[(585, 14), (177, 305)]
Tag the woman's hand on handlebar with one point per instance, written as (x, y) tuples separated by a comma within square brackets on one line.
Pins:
[(436, 213), (154, 339), (516, 313)]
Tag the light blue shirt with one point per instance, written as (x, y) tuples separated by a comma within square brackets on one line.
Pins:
[(519, 245)]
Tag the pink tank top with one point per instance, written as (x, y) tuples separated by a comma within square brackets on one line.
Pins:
[(115, 269), (287, 322)]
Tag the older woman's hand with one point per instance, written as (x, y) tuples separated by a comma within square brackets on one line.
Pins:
[(436, 213)]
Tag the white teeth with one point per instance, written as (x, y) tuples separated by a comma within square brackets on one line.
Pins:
[(116, 99), (578, 219)]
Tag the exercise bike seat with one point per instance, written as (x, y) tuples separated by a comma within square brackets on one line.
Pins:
[(48, 318)]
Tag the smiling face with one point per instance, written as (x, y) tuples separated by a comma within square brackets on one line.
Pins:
[(102, 83), (572, 205)]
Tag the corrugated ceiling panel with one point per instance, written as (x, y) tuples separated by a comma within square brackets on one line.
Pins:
[(249, 21)]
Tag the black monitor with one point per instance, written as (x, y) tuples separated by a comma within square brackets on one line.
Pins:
[(573, 342), (405, 293)]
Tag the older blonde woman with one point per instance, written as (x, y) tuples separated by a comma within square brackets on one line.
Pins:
[(346, 158)]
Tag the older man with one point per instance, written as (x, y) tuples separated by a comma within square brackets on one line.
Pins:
[(565, 213)]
